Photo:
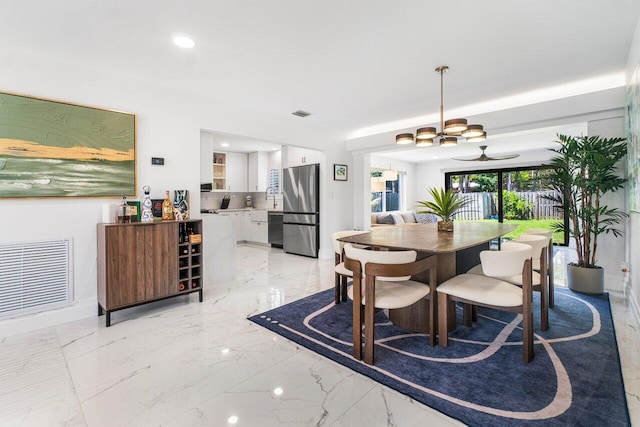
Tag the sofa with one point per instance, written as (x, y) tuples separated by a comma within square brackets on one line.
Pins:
[(400, 217)]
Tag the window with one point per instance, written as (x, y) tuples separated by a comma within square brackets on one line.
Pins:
[(386, 195)]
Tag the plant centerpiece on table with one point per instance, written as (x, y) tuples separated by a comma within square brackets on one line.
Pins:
[(583, 171), (445, 205)]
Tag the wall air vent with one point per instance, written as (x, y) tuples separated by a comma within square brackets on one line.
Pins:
[(301, 113), (34, 277)]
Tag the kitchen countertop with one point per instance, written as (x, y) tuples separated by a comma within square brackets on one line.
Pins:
[(217, 211)]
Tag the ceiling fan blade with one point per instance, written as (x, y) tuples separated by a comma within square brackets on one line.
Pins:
[(475, 159), (484, 158), (505, 157)]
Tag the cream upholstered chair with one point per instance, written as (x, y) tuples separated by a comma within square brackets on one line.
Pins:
[(538, 281), (490, 291), (341, 272), (382, 280), (549, 235)]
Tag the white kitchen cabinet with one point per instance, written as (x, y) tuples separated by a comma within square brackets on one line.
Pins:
[(236, 172), (257, 226), (238, 220), (258, 171)]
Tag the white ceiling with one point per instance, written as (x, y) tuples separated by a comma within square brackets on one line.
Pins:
[(352, 64)]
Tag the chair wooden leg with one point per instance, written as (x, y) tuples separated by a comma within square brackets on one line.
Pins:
[(433, 306), (337, 288), (467, 314), (550, 269), (369, 314), (544, 295), (344, 288), (474, 313), (443, 307), (357, 320), (551, 292), (527, 315)]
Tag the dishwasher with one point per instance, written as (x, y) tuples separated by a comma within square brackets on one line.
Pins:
[(275, 229)]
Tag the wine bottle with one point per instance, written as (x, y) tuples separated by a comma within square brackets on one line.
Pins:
[(181, 287)]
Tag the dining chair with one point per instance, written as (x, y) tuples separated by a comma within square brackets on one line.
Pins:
[(538, 281), (489, 291), (382, 280), (340, 271), (549, 235)]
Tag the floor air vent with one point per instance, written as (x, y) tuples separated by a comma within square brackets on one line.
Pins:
[(34, 277)]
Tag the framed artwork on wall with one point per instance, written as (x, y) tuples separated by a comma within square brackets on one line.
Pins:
[(58, 149), (633, 140), (340, 172)]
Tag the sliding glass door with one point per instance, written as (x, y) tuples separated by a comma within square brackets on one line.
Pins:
[(514, 196)]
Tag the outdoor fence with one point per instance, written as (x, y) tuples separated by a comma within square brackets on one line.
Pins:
[(485, 206)]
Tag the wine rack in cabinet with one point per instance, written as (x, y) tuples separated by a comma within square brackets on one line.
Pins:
[(149, 261), (190, 256)]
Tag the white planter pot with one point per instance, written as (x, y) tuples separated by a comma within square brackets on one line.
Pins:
[(585, 280)]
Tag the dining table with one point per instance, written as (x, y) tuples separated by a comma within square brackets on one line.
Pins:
[(456, 252)]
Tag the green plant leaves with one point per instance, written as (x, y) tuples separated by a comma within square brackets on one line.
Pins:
[(584, 170), (445, 203)]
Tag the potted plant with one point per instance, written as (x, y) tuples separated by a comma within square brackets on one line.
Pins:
[(583, 171), (445, 205)]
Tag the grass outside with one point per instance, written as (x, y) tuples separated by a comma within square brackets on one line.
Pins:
[(525, 224)]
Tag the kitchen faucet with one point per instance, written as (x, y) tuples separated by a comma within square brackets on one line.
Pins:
[(266, 196)]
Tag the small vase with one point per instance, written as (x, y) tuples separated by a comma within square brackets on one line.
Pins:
[(445, 226)]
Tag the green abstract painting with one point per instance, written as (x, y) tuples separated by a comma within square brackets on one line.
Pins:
[(58, 149)]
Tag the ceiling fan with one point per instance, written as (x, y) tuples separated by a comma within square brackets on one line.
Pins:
[(484, 158)]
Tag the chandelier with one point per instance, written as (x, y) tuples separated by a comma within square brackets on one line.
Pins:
[(450, 130)]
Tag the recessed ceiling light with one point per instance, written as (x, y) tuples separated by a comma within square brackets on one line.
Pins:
[(184, 42), (224, 144)]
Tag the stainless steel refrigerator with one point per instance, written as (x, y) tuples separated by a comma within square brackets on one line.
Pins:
[(301, 207)]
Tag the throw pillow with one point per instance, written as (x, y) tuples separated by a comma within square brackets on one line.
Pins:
[(385, 219), (408, 216), (426, 218), (397, 218)]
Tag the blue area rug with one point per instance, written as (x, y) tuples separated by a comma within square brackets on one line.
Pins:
[(480, 379)]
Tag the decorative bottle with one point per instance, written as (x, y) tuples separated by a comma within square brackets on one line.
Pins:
[(167, 207), (123, 211), (147, 212)]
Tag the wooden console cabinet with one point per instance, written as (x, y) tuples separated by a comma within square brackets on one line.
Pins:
[(146, 261)]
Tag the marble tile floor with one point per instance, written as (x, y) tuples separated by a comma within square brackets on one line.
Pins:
[(182, 363)]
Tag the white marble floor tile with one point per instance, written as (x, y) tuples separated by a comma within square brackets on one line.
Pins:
[(35, 386), (179, 362), (384, 407), (304, 390)]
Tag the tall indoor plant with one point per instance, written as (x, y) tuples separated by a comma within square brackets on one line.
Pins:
[(583, 171), (445, 205)]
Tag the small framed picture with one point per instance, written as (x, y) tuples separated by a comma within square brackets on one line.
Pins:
[(339, 172), (134, 205), (156, 207)]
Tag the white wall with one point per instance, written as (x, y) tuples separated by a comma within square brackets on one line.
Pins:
[(168, 125)]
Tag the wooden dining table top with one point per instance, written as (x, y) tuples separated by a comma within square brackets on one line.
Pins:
[(427, 238)]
